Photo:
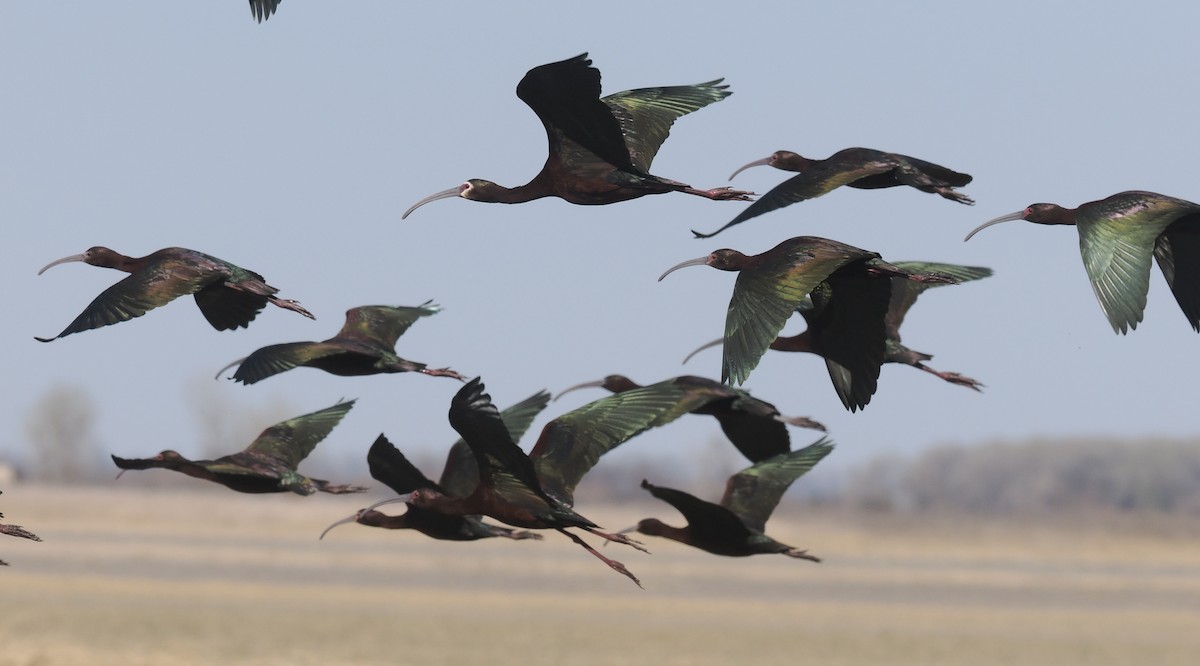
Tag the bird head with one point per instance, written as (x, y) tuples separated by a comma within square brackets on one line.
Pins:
[(96, 256), (724, 259), (1038, 213)]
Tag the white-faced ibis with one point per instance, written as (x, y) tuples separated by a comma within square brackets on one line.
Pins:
[(863, 168), (536, 491), (459, 479), (1117, 236), (17, 531), (754, 426), (262, 10), (366, 345), (269, 464), (855, 382), (228, 296), (736, 526), (600, 148), (771, 285)]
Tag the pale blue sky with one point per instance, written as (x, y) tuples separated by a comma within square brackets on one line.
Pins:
[(292, 147)]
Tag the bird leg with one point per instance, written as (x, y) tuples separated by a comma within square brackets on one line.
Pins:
[(442, 372), (615, 565), (289, 304), (952, 377), (721, 194), (801, 554), (802, 422), (515, 534), (618, 537), (915, 178)]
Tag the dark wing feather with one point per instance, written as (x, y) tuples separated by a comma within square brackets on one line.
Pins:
[(753, 493), (274, 359), (292, 440), (939, 172), (262, 10), (905, 292), (478, 422), (847, 325), (461, 474), (572, 444), (646, 114), (1178, 253), (228, 309), (565, 95), (703, 517), (382, 325), (751, 426), (389, 466)]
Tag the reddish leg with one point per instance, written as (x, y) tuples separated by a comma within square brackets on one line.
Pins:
[(615, 565)]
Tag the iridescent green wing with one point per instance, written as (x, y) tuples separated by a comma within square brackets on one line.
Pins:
[(646, 114), (1181, 241), (274, 359), (765, 296), (292, 440), (155, 285), (753, 493), (461, 475), (905, 292), (565, 95), (1117, 236), (572, 444), (382, 325)]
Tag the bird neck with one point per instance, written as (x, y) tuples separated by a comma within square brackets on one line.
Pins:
[(802, 342), (493, 193), (381, 519)]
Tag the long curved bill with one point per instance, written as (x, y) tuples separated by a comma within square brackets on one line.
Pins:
[(444, 194), (765, 160), (222, 370), (707, 345), (343, 521), (595, 384), (1019, 215), (64, 260), (700, 261), (395, 500)]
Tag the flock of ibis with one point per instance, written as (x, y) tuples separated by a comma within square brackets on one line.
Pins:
[(600, 152)]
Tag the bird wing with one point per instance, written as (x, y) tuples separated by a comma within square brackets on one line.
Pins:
[(461, 474), (292, 440), (751, 426), (155, 285), (753, 493), (1182, 240), (389, 466), (382, 325), (565, 95), (228, 309), (1117, 236), (847, 325), (765, 296), (701, 516), (572, 444), (262, 10), (646, 114), (274, 359), (905, 292), (821, 178), (939, 172)]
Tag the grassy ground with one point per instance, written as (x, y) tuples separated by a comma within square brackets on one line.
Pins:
[(191, 576)]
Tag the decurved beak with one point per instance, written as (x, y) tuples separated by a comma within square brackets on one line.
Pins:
[(700, 261), (343, 521), (702, 347), (444, 194), (1019, 215), (395, 500), (765, 160), (595, 384), (222, 370), (64, 260)]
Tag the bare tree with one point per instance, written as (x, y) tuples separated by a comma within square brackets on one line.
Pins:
[(61, 428)]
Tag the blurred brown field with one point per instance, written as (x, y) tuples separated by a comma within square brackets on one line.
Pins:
[(192, 575)]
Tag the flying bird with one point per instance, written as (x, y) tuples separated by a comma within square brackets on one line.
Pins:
[(536, 491), (849, 289), (862, 168), (366, 345), (17, 531), (736, 526), (459, 479), (268, 465), (228, 296), (754, 426), (600, 148), (1117, 236), (854, 380)]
